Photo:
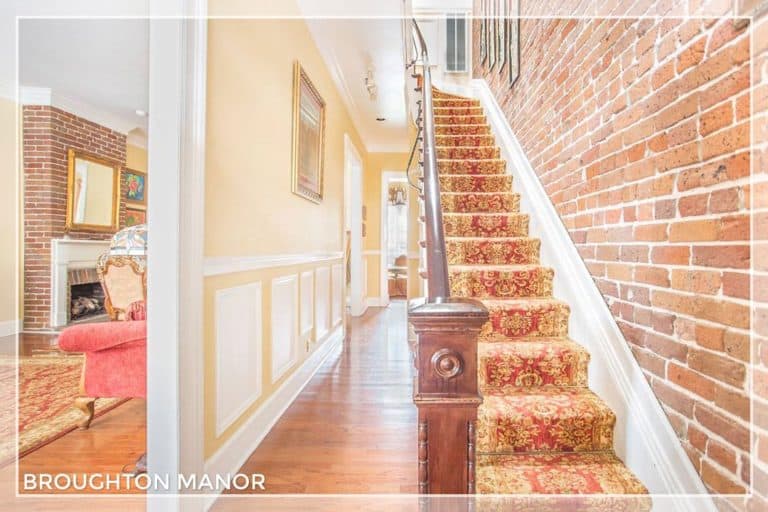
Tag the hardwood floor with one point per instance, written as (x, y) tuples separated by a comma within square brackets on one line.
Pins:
[(114, 439), (353, 428)]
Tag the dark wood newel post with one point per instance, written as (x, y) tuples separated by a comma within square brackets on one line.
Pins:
[(446, 392)]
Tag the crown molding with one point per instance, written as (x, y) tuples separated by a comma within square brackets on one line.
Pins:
[(8, 90), (46, 96), (35, 95), (138, 140)]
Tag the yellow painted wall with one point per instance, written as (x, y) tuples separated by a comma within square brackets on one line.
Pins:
[(8, 212), (136, 158), (250, 209), (248, 164)]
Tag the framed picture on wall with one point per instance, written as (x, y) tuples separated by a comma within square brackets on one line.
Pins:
[(308, 137), (492, 32), (502, 43), (513, 38), (134, 216), (483, 31), (135, 187)]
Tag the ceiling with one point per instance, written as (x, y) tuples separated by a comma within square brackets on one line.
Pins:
[(93, 65), (350, 46)]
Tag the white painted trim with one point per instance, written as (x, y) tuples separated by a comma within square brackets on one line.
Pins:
[(35, 95), (46, 96), (191, 406), (10, 328), (289, 336), (239, 342), (176, 146), (644, 437), (353, 179), (386, 177), (230, 265), (233, 454), (375, 302), (8, 90)]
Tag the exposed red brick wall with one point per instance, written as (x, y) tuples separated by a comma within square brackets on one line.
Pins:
[(639, 130), (47, 135)]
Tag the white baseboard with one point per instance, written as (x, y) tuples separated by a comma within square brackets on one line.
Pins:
[(230, 457), (644, 437), (10, 327)]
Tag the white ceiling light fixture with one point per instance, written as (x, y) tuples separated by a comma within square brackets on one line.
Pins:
[(370, 84)]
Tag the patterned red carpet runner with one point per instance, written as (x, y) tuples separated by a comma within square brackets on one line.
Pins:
[(540, 429)]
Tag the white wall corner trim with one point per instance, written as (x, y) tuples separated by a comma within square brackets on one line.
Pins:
[(644, 437), (306, 309), (230, 457), (232, 264), (10, 328)]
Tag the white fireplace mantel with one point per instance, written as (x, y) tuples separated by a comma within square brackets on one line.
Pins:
[(69, 254)]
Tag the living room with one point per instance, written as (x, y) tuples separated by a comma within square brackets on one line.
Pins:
[(83, 123)]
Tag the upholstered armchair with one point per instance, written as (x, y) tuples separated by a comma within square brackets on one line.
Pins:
[(122, 271), (115, 359)]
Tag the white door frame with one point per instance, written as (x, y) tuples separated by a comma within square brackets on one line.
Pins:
[(386, 177), (353, 183), (176, 152)]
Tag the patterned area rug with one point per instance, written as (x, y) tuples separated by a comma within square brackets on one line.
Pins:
[(540, 429), (48, 386)]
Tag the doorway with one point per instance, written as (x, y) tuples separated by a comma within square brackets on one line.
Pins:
[(394, 236), (353, 224)]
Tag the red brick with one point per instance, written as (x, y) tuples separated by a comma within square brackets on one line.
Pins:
[(726, 200), (727, 428), (692, 231), (736, 284), (717, 367), (730, 256), (718, 117), (697, 281), (693, 205), (671, 255), (691, 381)]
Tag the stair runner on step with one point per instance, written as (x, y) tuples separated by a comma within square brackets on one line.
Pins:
[(540, 429)]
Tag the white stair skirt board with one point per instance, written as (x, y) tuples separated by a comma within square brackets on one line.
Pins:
[(230, 457), (644, 438)]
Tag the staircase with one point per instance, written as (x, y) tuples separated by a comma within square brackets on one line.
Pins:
[(540, 430)]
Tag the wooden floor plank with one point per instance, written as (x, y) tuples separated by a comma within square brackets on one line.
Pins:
[(353, 428)]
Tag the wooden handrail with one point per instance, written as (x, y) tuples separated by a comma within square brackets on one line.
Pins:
[(438, 288), (445, 350)]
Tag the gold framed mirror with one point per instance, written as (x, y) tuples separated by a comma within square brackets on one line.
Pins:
[(308, 137), (93, 193)]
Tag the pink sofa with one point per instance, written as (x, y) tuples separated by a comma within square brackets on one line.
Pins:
[(115, 361)]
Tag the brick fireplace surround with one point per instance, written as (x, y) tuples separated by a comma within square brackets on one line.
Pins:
[(48, 133)]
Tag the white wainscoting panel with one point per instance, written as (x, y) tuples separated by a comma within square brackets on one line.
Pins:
[(285, 307), (306, 313), (322, 296), (337, 290), (238, 351)]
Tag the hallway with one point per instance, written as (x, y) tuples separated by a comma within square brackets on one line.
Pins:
[(353, 427)]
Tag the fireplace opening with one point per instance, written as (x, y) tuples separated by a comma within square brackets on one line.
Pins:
[(86, 301)]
